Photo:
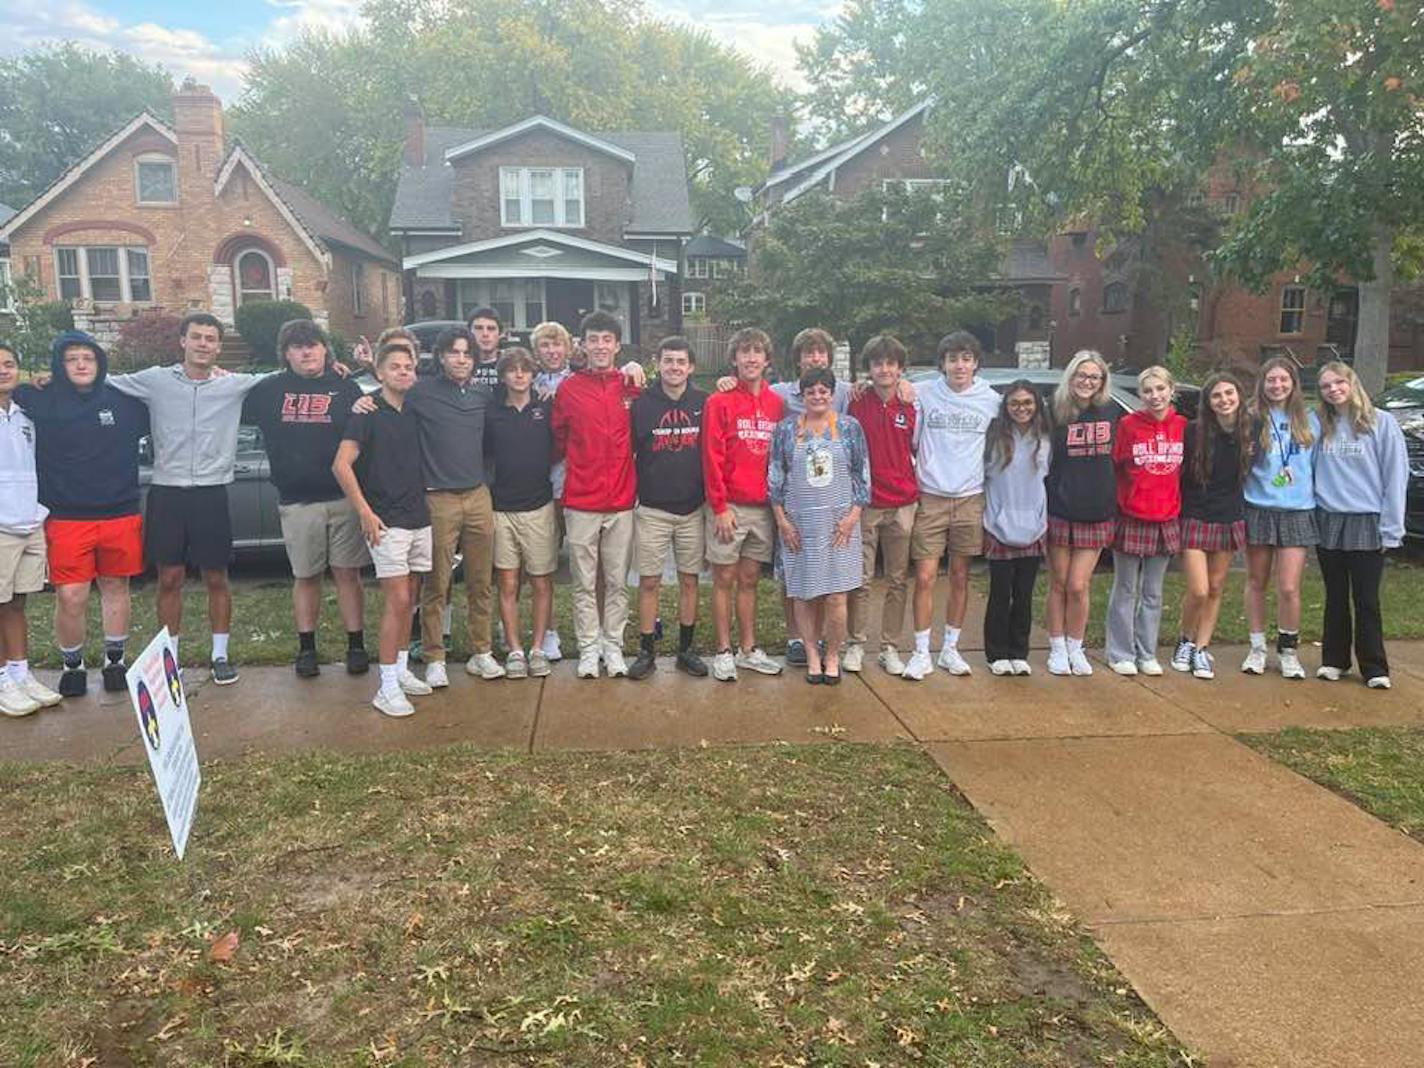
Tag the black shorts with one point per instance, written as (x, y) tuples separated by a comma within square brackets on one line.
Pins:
[(187, 525)]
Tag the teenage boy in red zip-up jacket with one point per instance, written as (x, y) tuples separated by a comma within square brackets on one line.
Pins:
[(593, 435), (736, 448)]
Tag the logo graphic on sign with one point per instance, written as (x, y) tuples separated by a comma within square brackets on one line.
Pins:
[(170, 673), (148, 716)]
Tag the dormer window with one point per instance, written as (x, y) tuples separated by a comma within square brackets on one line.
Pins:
[(156, 180), (541, 196)]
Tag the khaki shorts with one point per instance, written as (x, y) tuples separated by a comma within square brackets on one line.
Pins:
[(321, 534), (527, 539), (22, 564), (755, 536), (657, 531), (956, 523), (401, 552)]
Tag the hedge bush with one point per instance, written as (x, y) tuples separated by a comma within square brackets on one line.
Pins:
[(147, 340), (258, 322)]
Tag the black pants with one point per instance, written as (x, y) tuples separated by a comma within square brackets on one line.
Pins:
[(1353, 576), (1009, 615)]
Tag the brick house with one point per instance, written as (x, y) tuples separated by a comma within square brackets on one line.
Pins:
[(542, 221), (709, 264), (176, 218)]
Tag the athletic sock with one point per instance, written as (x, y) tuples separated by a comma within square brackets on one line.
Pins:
[(174, 639), (647, 643), (355, 639), (17, 670), (306, 641), (402, 659), (114, 648), (447, 616), (1258, 639), (951, 637), (219, 646), (684, 636), (1057, 643), (1075, 645), (1287, 639), (922, 641), (73, 658), (390, 677)]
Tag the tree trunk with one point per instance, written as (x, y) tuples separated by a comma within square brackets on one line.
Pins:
[(1372, 333)]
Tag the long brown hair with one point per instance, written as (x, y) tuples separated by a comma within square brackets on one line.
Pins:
[(1296, 410), (1207, 429), (999, 438)]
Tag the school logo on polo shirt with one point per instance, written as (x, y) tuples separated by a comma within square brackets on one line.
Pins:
[(537, 414), (901, 420)]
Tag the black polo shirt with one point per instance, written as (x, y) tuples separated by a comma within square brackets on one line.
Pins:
[(389, 465), (520, 443)]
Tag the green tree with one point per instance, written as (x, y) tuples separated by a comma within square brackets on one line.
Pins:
[(57, 103), (911, 264)]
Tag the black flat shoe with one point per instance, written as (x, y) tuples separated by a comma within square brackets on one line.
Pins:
[(814, 680), (831, 680)]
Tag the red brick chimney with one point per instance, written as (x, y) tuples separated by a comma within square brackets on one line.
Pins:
[(414, 135), (780, 140), (198, 122)]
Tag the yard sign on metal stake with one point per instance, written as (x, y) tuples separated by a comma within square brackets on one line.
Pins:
[(161, 706)]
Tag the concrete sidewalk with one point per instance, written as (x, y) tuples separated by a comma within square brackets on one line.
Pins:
[(1267, 921)]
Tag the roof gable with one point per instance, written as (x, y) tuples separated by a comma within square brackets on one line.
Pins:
[(542, 237), (537, 122), (810, 173), (82, 167)]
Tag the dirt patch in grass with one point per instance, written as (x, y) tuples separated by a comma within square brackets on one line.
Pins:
[(834, 905)]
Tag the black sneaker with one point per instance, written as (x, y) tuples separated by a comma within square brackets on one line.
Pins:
[(643, 665), (116, 677), (796, 653), (224, 674), (692, 664), (73, 682), (358, 661), (306, 665)]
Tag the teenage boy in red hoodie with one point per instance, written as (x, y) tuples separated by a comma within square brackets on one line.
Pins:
[(594, 436), (736, 448)]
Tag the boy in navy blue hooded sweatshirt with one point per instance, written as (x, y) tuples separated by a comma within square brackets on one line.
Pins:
[(87, 436)]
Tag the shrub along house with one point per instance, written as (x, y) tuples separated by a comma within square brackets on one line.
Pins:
[(542, 221), (173, 218)]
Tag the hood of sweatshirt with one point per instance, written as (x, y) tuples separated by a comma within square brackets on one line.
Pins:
[(60, 382)]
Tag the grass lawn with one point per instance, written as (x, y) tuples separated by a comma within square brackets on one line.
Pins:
[(1379, 769), (836, 905)]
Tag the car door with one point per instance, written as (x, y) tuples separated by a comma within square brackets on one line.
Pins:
[(252, 499)]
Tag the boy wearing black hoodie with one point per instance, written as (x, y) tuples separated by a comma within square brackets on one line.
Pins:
[(87, 436)]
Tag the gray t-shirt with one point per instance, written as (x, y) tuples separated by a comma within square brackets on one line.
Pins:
[(451, 420)]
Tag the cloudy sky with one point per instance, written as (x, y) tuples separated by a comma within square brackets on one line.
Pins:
[(209, 40)]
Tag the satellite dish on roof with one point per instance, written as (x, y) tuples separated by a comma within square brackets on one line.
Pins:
[(743, 193)]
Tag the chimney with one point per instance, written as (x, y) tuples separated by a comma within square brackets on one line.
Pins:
[(198, 122), (780, 140), (414, 135)]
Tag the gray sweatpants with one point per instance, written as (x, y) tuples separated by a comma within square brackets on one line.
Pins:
[(1135, 606)]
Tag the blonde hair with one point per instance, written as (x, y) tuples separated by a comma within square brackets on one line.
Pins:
[(553, 330), (1296, 411), (398, 333), (1360, 408), (1158, 372), (1065, 404)]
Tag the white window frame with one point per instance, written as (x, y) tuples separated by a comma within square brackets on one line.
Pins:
[(1293, 308), (694, 304), (153, 158), (515, 183), (724, 267), (479, 293), (237, 274), (358, 282), (7, 297), (699, 267), (121, 253)]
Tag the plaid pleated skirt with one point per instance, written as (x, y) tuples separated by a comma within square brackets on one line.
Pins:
[(994, 549), (1141, 537), (1211, 537), (1357, 532), (1067, 534), (1281, 528)]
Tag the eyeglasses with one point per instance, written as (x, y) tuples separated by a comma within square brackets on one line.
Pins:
[(1087, 378), (1022, 403)]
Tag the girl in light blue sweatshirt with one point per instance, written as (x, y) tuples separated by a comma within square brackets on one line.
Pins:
[(1280, 512), (1361, 477)]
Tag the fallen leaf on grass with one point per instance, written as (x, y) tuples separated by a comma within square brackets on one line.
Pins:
[(414, 924), (222, 949)]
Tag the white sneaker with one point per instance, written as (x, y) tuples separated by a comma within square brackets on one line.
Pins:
[(485, 666), (435, 676), (1150, 666), (394, 704), (1001, 667), (552, 652), (516, 665), (1379, 682), (1058, 663), (1078, 662), (1328, 673), (1255, 662), (412, 685), (14, 701), (1182, 656), (1021, 667), (724, 667), (613, 663), (853, 659), (1122, 667), (757, 660), (38, 691), (1203, 665), (919, 666), (588, 663), (951, 661), (1290, 665), (890, 661)]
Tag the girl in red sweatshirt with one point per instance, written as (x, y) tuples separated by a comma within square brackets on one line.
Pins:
[(1147, 456)]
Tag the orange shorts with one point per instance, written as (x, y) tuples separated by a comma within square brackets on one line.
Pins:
[(83, 549)]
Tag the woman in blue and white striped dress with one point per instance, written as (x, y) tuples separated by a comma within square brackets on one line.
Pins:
[(818, 484)]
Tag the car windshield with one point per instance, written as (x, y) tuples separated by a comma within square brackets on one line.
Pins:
[(1408, 395)]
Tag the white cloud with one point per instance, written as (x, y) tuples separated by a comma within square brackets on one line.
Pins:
[(331, 16), (752, 31)]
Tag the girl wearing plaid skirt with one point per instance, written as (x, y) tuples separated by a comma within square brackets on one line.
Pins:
[(1081, 504), (1017, 448), (1361, 477), (1218, 455), (1148, 458), (1280, 512)]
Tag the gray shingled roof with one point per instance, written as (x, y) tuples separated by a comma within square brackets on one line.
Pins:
[(5, 213), (326, 224), (708, 245), (1027, 261), (660, 203)]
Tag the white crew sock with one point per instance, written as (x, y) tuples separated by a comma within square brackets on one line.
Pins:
[(1075, 645), (174, 639), (1258, 639), (446, 617), (922, 641), (390, 678), (17, 669), (219, 646), (951, 637), (1057, 643), (402, 659)]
